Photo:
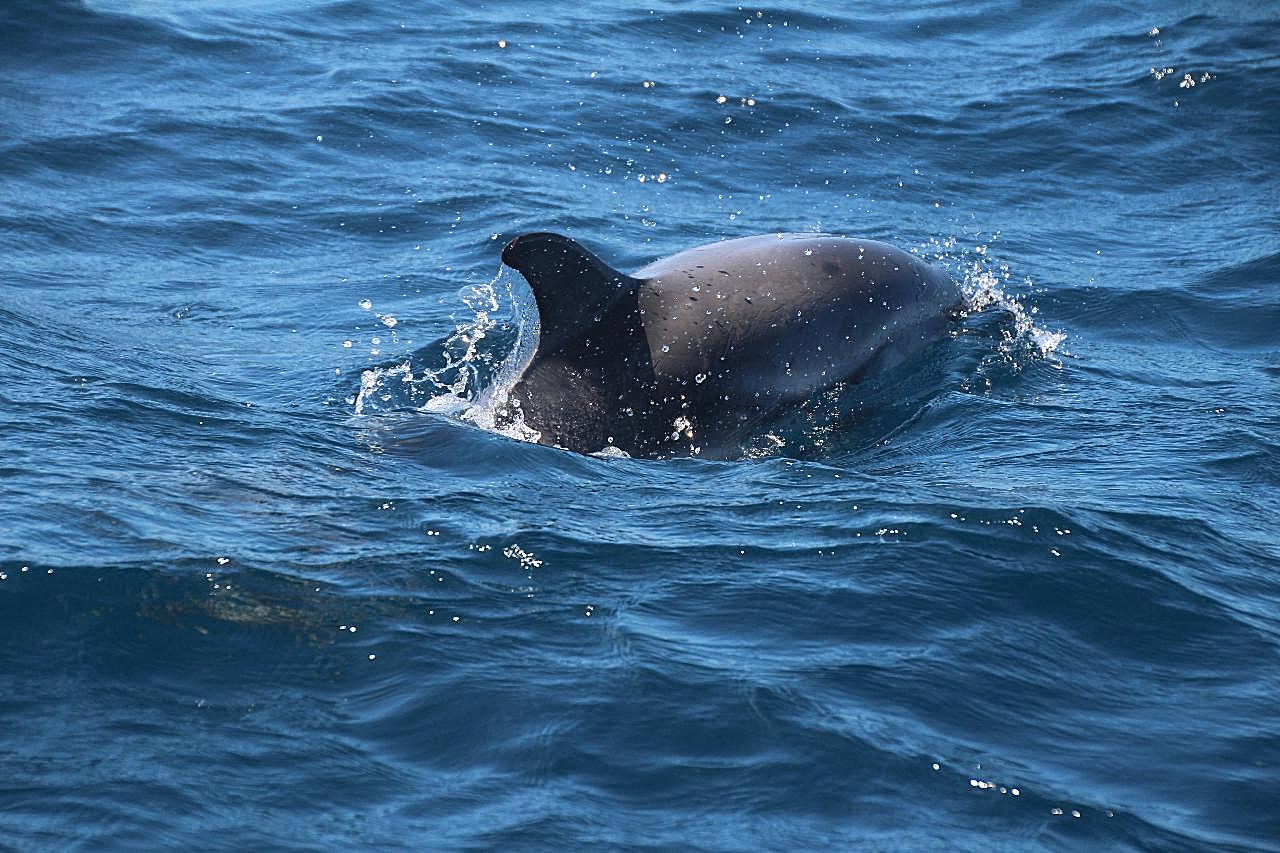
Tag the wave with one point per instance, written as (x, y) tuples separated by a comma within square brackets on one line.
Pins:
[(42, 33)]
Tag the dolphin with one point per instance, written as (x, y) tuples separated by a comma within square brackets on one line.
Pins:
[(691, 353)]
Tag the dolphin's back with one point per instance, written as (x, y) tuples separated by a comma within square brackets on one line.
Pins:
[(696, 349), (779, 316)]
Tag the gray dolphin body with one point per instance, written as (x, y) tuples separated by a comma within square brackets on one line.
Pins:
[(691, 352)]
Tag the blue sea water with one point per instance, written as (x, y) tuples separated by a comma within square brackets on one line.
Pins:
[(268, 582)]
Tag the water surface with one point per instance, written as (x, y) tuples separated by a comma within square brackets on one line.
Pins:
[(259, 591)]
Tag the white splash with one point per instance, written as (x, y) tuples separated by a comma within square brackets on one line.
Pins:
[(373, 384), (493, 409), (457, 387), (982, 289), (983, 286)]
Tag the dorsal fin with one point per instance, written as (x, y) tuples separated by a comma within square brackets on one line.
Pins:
[(574, 289)]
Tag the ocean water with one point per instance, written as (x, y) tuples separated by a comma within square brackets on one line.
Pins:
[(267, 581)]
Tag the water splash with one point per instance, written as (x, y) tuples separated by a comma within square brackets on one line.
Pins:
[(373, 385), (983, 288), (987, 283), (469, 374), (491, 407)]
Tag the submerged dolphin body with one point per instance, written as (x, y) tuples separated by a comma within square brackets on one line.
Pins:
[(693, 351)]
